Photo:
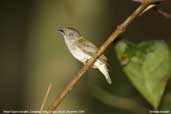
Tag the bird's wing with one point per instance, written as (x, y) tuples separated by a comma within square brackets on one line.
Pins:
[(89, 48)]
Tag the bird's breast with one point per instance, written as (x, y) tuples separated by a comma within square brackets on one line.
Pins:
[(78, 53)]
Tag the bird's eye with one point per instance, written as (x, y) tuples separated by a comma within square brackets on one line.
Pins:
[(70, 34)]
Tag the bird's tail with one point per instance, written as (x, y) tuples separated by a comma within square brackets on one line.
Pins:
[(104, 70)]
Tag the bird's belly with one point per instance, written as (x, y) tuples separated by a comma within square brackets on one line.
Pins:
[(79, 54), (83, 57)]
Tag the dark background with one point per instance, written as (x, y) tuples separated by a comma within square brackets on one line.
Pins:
[(33, 54)]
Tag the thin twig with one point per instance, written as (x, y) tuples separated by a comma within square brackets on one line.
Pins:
[(45, 98), (163, 13), (154, 6), (119, 30)]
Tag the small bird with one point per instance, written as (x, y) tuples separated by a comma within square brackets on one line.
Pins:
[(83, 50)]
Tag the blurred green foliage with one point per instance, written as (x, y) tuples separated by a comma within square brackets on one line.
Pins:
[(147, 65)]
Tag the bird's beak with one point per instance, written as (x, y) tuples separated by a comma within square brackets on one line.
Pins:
[(61, 31)]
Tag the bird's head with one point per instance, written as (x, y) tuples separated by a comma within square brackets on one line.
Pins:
[(69, 33)]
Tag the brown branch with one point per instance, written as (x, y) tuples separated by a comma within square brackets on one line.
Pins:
[(119, 30)]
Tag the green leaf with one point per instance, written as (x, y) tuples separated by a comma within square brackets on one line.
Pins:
[(147, 65)]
